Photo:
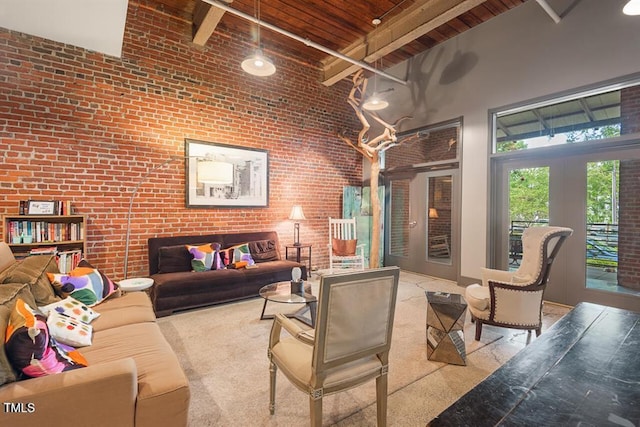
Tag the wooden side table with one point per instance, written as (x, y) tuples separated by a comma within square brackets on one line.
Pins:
[(445, 327), (300, 256)]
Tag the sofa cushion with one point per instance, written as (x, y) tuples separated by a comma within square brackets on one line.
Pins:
[(11, 292), (33, 270), (173, 259), (84, 283), (32, 350), (132, 307), (71, 307), (163, 389), (343, 247), (263, 250), (205, 257)]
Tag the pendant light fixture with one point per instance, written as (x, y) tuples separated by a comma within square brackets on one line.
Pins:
[(375, 102), (257, 64), (632, 8)]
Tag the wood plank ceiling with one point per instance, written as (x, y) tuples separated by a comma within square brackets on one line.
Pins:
[(407, 28)]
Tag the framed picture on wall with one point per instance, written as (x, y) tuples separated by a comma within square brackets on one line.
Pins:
[(221, 175)]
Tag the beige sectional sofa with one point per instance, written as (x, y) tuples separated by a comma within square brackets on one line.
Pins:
[(133, 377)]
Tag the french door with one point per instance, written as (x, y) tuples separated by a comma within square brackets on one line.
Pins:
[(422, 218), (594, 192)]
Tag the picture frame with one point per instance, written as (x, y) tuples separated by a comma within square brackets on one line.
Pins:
[(225, 176), (41, 207)]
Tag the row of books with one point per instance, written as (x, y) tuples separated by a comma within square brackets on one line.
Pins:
[(44, 207), (67, 260), (44, 231)]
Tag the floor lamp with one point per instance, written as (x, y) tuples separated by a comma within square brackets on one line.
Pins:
[(133, 196)]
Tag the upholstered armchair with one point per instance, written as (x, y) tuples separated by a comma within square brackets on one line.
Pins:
[(513, 299), (350, 344), (344, 250)]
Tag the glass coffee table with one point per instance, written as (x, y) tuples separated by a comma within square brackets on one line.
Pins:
[(281, 292)]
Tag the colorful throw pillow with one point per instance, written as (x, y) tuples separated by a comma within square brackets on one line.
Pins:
[(32, 350), (226, 256), (343, 247), (84, 283), (7, 373), (242, 253), (205, 257), (69, 331), (71, 307)]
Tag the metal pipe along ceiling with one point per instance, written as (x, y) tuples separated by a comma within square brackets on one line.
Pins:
[(552, 13), (307, 42)]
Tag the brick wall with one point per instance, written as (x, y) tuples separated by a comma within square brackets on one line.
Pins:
[(79, 125), (629, 221)]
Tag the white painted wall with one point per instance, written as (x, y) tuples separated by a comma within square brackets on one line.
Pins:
[(92, 24), (517, 56)]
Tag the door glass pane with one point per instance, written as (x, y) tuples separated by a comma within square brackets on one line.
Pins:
[(399, 216), (528, 206), (610, 215), (439, 219)]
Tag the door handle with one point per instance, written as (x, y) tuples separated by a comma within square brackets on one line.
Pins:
[(412, 224)]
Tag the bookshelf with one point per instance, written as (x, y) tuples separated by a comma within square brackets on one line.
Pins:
[(63, 235)]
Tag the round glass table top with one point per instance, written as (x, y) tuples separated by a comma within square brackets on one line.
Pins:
[(281, 292)]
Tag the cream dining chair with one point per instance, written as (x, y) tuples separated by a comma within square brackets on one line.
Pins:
[(513, 299), (350, 344), (344, 250)]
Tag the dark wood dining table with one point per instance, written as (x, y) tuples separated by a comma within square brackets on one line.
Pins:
[(584, 370)]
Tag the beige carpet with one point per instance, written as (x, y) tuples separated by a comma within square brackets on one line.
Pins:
[(223, 351)]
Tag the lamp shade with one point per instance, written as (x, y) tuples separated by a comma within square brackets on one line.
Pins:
[(213, 172), (296, 213), (632, 7), (433, 213), (374, 103), (258, 65)]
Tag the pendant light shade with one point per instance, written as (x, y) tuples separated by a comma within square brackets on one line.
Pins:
[(375, 102), (632, 8), (258, 65)]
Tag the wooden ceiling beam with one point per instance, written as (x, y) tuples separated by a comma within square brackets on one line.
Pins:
[(402, 29), (205, 21)]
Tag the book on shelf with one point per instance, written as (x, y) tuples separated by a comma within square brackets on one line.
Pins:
[(45, 231), (53, 207), (43, 250), (68, 260)]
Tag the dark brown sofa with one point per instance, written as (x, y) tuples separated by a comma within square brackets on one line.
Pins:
[(177, 287)]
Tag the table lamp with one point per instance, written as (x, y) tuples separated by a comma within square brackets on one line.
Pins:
[(296, 215)]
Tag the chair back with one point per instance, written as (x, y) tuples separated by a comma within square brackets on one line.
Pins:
[(355, 317), (540, 246), (343, 229)]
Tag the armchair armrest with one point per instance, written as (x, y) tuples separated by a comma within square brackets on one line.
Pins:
[(282, 321), (489, 274), (101, 395)]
